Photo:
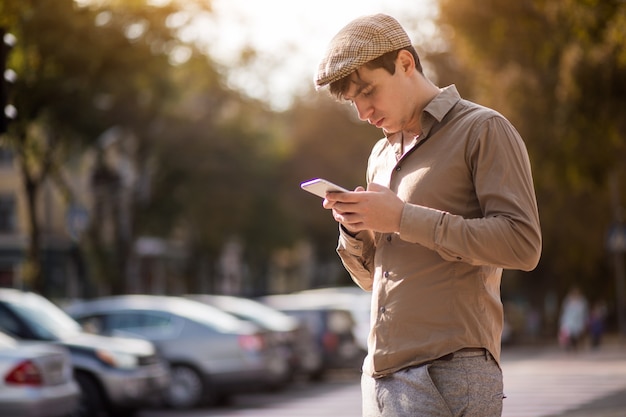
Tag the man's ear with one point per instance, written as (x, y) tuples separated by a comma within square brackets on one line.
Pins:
[(405, 61)]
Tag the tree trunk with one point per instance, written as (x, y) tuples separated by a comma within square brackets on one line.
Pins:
[(32, 272)]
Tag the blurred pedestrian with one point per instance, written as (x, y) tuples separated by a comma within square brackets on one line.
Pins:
[(449, 203), (573, 320), (597, 316)]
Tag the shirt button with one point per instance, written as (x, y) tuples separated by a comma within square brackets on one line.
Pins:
[(398, 168), (357, 247), (389, 238), (386, 274), (382, 310)]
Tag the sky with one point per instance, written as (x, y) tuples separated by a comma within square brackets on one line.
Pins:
[(290, 37)]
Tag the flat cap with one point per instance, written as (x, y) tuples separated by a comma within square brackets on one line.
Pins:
[(359, 42)]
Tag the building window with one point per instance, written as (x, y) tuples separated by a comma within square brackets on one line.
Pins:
[(7, 214)]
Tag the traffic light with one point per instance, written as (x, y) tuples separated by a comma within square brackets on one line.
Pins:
[(8, 77)]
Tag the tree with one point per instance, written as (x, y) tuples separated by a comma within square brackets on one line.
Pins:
[(82, 70), (323, 138), (558, 71), (38, 85)]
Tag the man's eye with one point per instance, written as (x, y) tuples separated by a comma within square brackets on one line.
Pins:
[(367, 92)]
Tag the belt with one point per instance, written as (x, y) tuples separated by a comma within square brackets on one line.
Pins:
[(466, 353)]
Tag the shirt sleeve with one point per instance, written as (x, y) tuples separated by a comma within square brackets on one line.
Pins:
[(357, 255), (508, 235)]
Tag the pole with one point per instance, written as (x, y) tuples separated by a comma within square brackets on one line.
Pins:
[(618, 255)]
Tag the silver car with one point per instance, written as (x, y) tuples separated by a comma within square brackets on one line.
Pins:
[(117, 376), (36, 380), (212, 354), (291, 336)]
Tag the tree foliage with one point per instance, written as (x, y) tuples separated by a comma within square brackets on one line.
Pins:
[(87, 68), (557, 70), (208, 162)]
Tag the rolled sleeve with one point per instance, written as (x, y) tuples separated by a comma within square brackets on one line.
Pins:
[(418, 224), (357, 255)]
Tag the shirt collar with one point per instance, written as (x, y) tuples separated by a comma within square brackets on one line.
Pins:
[(434, 111), (437, 109)]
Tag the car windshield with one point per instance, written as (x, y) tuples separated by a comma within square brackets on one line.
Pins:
[(44, 318), (211, 316), (256, 312)]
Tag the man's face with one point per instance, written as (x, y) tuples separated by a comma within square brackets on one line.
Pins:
[(381, 98)]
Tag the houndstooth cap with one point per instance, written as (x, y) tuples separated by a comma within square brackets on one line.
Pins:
[(359, 42)]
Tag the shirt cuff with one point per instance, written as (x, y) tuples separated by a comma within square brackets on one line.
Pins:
[(418, 224), (352, 244)]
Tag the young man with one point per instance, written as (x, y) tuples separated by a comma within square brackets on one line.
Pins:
[(449, 203)]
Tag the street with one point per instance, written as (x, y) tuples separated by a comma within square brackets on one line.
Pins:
[(539, 382)]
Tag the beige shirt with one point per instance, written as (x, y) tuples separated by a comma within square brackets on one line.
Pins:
[(470, 211)]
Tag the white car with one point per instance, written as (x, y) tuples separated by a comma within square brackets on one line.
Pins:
[(117, 376), (36, 380)]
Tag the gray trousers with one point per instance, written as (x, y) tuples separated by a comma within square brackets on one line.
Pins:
[(463, 384)]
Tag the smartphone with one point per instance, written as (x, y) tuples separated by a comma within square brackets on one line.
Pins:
[(320, 187)]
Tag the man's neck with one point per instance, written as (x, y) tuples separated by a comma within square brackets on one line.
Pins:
[(428, 91)]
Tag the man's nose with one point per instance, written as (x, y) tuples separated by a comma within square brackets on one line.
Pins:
[(363, 109)]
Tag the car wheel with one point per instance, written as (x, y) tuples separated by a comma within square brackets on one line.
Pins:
[(92, 402), (186, 389)]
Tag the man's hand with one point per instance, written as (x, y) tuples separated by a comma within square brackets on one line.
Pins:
[(378, 209)]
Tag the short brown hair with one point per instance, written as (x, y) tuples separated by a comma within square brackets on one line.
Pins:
[(386, 61)]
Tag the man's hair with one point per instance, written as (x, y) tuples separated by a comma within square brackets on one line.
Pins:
[(386, 61)]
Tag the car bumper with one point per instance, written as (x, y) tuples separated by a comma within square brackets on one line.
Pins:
[(52, 401), (136, 388), (253, 376)]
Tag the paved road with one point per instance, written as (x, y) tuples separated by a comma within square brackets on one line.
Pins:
[(539, 382)]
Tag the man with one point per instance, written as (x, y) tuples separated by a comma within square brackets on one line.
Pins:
[(449, 203)]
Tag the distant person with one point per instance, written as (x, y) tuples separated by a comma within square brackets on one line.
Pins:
[(597, 317), (449, 203), (573, 320)]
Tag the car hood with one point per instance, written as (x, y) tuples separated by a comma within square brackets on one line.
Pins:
[(118, 344)]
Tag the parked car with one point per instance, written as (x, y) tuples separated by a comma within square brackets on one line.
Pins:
[(331, 324), (211, 353), (353, 299), (116, 376), (291, 336), (36, 380)]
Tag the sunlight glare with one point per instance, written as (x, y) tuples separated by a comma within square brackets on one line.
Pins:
[(289, 38)]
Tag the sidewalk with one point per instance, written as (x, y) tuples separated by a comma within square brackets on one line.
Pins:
[(612, 405)]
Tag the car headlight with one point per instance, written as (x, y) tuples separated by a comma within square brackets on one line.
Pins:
[(117, 359)]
